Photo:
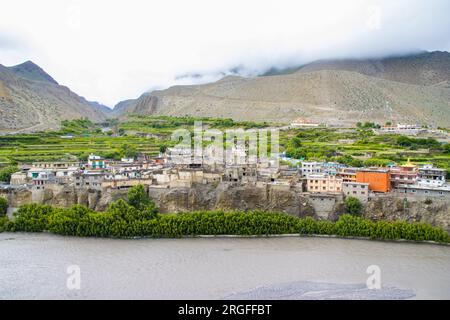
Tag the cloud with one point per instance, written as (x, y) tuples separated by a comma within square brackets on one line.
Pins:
[(114, 50)]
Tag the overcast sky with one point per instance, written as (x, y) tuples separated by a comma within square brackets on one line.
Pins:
[(114, 50)]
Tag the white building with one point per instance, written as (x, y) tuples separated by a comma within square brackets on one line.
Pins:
[(431, 177), (404, 129), (311, 168)]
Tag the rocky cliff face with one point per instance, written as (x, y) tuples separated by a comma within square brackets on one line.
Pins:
[(31, 100), (435, 211), (228, 197)]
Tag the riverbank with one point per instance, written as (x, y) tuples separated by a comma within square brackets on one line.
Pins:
[(123, 221)]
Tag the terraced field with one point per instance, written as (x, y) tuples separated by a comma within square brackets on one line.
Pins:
[(363, 147), (43, 147), (146, 134)]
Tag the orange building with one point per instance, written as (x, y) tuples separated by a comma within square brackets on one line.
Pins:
[(378, 180)]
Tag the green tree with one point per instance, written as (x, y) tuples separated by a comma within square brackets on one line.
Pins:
[(3, 207), (6, 172), (128, 151), (139, 199), (162, 148), (296, 142), (353, 206)]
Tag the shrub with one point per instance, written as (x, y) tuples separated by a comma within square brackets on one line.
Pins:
[(139, 199), (124, 220), (6, 172), (3, 207), (353, 206)]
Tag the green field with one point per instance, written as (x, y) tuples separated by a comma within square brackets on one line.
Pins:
[(361, 147), (147, 134), (143, 134)]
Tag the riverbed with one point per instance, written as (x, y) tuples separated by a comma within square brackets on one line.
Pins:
[(38, 266)]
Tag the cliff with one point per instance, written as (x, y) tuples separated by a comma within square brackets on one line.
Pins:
[(227, 196)]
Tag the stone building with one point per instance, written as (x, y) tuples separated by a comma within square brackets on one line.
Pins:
[(421, 191), (357, 190), (18, 179)]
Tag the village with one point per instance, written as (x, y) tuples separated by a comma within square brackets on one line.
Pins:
[(315, 179)]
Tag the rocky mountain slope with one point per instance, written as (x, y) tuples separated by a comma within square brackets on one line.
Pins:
[(31, 100), (407, 89)]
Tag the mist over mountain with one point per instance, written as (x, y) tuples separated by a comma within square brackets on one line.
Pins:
[(410, 88)]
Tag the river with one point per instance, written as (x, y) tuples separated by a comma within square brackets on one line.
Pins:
[(35, 266)]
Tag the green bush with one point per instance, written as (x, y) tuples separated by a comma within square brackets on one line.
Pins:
[(3, 206), (353, 206), (6, 172), (124, 220)]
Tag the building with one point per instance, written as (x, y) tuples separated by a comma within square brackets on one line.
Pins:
[(124, 183), (303, 123), (357, 190), (89, 179), (404, 174), (347, 174), (240, 173), (423, 191), (96, 162), (404, 129), (55, 165), (429, 176), (332, 168), (311, 167), (43, 178), (378, 179), (18, 179), (323, 183)]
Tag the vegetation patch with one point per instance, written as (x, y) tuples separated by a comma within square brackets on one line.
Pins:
[(138, 217)]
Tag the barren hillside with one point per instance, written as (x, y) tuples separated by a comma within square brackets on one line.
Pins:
[(31, 100)]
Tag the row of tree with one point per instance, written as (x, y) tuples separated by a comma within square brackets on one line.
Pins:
[(138, 217)]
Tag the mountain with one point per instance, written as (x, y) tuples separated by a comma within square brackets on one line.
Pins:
[(413, 88), (31, 100), (426, 69)]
